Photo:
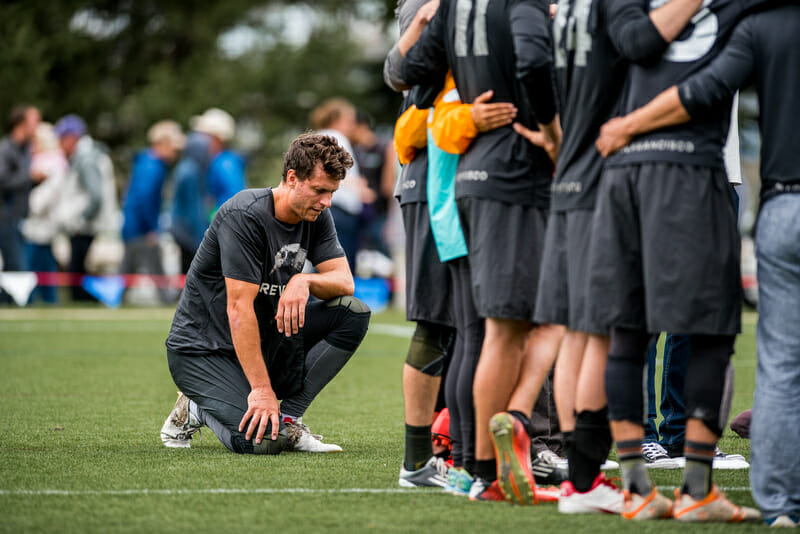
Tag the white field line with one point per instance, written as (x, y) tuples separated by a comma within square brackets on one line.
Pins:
[(238, 491)]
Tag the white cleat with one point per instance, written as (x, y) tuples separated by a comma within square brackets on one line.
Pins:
[(180, 425), (302, 440)]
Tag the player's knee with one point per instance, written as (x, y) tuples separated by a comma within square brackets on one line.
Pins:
[(428, 347), (352, 323), (241, 445), (592, 436), (705, 380)]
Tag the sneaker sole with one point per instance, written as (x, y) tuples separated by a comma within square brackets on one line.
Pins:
[(516, 482)]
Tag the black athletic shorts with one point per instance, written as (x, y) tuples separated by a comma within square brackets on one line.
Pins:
[(561, 297), (665, 251), (504, 244), (429, 286)]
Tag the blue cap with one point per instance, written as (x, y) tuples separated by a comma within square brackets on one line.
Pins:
[(70, 124)]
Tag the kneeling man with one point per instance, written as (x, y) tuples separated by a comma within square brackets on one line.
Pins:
[(245, 333)]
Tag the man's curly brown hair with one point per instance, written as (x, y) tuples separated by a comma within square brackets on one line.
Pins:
[(309, 149)]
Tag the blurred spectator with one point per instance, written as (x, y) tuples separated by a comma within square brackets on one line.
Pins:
[(337, 117), (42, 225), (226, 171), (16, 182), (90, 205), (376, 158), (142, 204), (190, 215)]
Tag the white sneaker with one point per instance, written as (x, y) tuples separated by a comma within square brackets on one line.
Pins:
[(302, 440), (563, 463), (656, 457), (433, 473), (729, 461), (180, 425), (602, 497)]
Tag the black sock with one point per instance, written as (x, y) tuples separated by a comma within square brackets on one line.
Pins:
[(522, 418), (582, 470), (567, 443), (697, 475), (486, 469), (634, 471), (469, 466), (419, 447)]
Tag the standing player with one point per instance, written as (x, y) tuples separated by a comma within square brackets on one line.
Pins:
[(670, 186), (502, 191), (428, 282), (765, 47), (594, 41), (245, 333)]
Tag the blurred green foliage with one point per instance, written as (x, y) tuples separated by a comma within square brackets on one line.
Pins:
[(125, 64)]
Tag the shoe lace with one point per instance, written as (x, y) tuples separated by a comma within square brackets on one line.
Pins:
[(548, 457), (441, 466), (653, 450)]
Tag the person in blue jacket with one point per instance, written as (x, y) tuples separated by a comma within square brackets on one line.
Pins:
[(191, 204), (142, 204)]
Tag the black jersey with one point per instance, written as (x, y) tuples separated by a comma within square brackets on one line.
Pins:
[(764, 48), (593, 42), (700, 141), (246, 242), (500, 45)]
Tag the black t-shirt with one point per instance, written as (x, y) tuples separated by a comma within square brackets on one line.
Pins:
[(246, 242), (593, 42), (700, 141), (765, 49), (492, 44)]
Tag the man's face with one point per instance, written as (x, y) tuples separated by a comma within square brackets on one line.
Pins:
[(68, 143), (32, 120), (311, 196)]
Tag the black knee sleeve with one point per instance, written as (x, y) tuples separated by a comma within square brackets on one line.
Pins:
[(592, 436), (428, 347), (706, 379), (241, 445), (627, 356), (351, 326)]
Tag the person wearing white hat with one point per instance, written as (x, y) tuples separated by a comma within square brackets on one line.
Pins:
[(226, 172)]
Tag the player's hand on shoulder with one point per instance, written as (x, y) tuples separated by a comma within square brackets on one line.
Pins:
[(291, 315)]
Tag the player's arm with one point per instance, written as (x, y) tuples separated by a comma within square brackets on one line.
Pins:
[(426, 62), (710, 87), (532, 45), (332, 279), (410, 34), (262, 405), (642, 36)]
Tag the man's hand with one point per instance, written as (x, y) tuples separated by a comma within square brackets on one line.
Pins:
[(538, 139), (262, 408), (490, 116), (613, 136), (426, 12), (291, 314)]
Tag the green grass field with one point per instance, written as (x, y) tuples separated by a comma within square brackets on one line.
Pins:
[(85, 391)]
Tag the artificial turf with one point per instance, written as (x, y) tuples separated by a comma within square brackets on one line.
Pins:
[(84, 393)]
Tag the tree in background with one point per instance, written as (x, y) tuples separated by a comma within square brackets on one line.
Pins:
[(125, 64)]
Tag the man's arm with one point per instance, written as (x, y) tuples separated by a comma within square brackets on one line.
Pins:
[(715, 84), (12, 177), (640, 36), (332, 279), (532, 45), (412, 17), (262, 405), (426, 61), (91, 180)]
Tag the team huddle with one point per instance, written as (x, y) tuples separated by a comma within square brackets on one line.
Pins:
[(565, 200), (544, 231)]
